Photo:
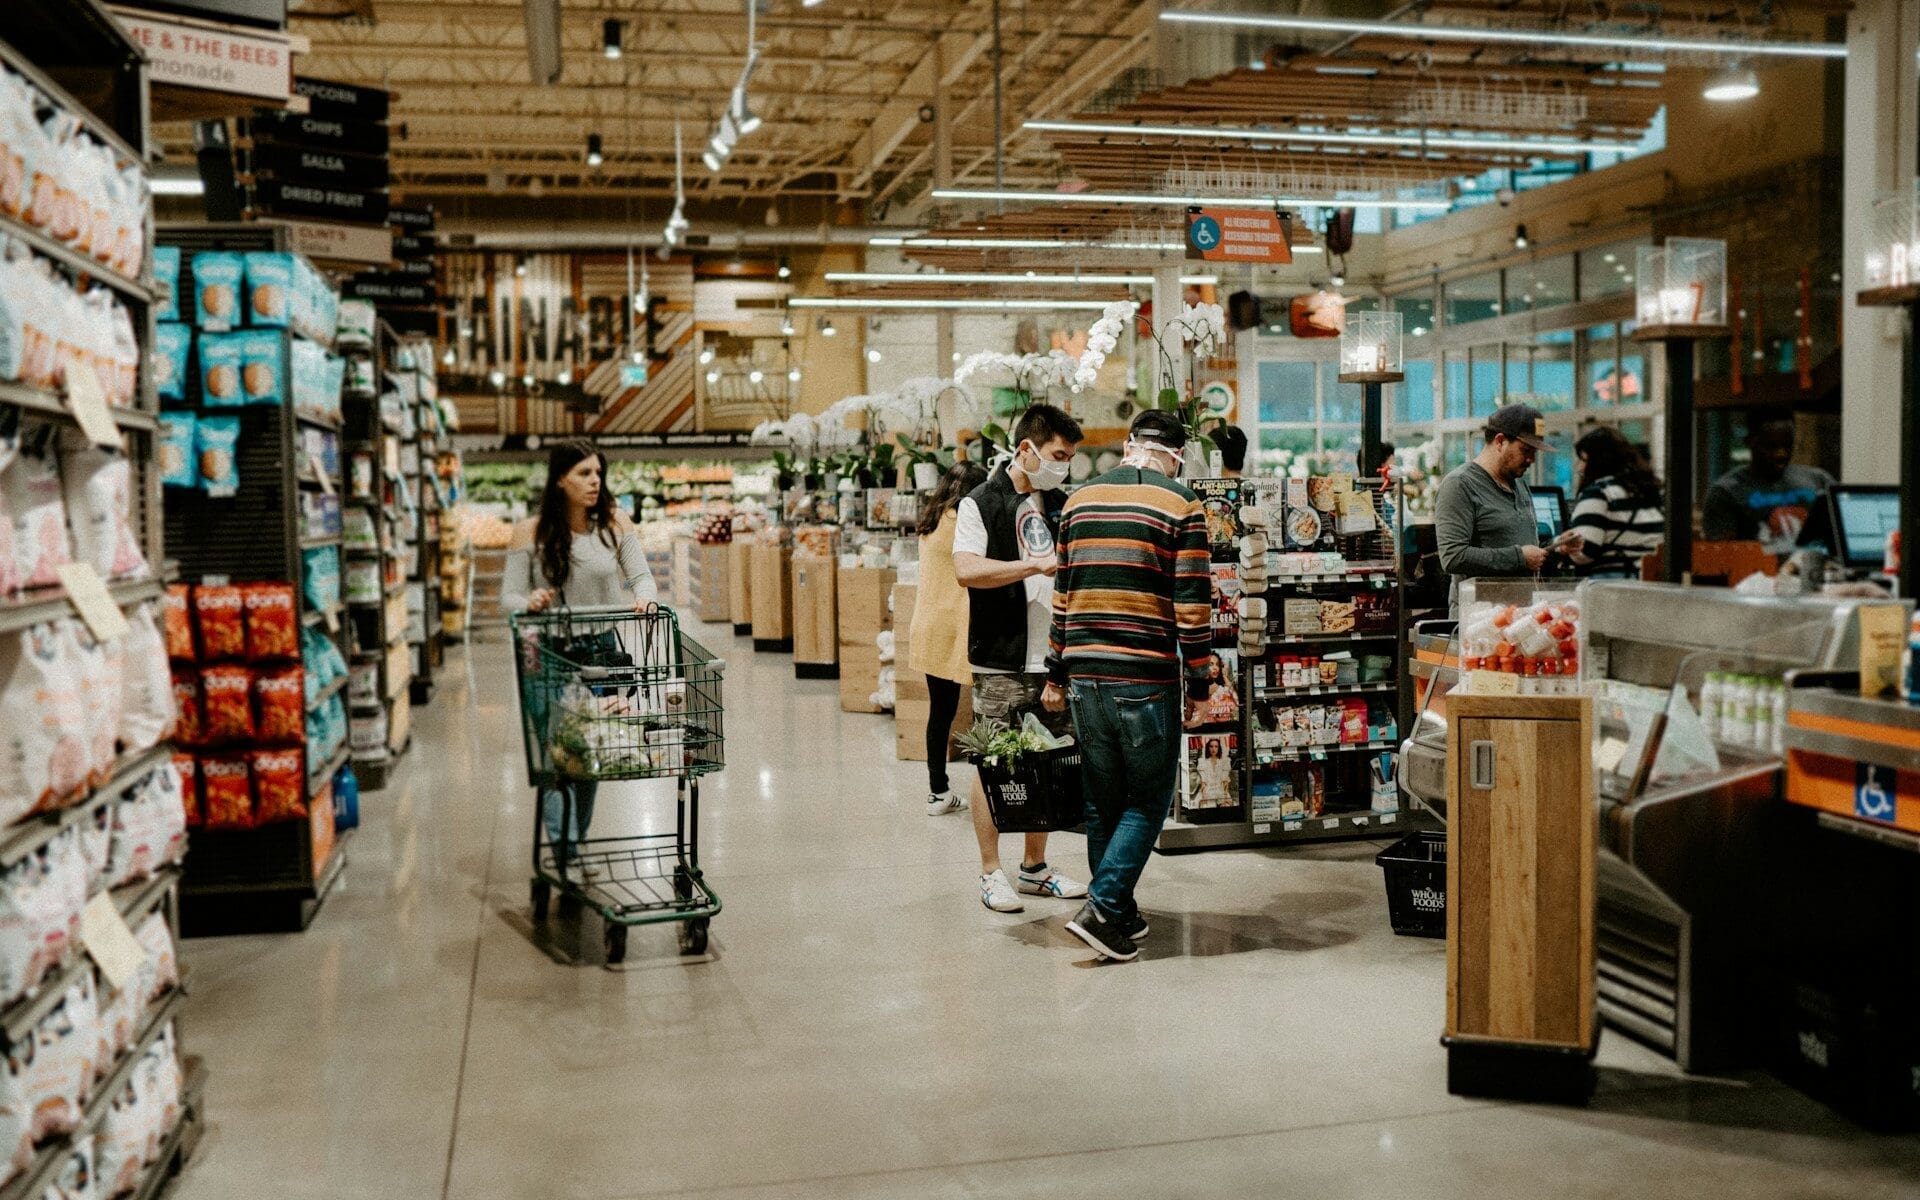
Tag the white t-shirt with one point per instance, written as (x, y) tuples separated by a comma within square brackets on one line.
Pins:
[(1036, 542)]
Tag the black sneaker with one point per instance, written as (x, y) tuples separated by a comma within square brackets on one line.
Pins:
[(1106, 937), (1138, 927)]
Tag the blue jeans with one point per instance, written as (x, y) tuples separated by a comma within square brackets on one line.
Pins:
[(1129, 736), (553, 811)]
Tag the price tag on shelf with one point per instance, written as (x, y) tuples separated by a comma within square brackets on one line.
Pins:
[(1291, 826), (90, 409), (104, 932), (1389, 818), (1330, 823), (1263, 827), (97, 608)]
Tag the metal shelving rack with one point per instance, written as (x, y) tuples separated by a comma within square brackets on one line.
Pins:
[(456, 564), (378, 627), (278, 875), (420, 448), (1348, 814), (52, 44)]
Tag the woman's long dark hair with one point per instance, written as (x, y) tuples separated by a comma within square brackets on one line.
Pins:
[(953, 487), (552, 534), (1610, 455)]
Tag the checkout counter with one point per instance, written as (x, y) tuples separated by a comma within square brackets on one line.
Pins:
[(1718, 884)]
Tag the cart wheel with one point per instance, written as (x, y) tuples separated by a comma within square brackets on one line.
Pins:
[(542, 893), (616, 943), (693, 936)]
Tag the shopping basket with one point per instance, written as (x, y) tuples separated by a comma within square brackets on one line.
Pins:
[(612, 694), (1040, 794)]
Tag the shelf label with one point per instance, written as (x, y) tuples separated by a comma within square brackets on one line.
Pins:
[(325, 480), (104, 932), (1291, 826), (89, 595), (1330, 823), (1263, 827), (1389, 818), (90, 408)]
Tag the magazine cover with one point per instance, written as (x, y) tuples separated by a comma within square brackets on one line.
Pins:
[(1222, 706), (1221, 499), (1210, 771), (1226, 604)]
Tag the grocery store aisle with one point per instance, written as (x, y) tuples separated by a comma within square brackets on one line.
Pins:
[(862, 1028)]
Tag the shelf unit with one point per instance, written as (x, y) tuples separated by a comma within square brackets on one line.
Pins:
[(456, 562), (275, 876), (374, 430), (1347, 812), (53, 44), (423, 433)]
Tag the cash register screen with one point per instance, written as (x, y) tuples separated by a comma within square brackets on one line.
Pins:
[(1862, 518), (1549, 511)]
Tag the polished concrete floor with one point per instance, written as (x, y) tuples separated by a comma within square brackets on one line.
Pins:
[(863, 1028)]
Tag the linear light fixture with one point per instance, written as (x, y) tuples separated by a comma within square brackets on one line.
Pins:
[(1009, 277), (945, 302), (1181, 201), (1523, 37), (936, 243), (1332, 138)]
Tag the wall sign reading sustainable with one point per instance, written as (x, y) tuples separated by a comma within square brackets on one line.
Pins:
[(188, 54), (349, 101), (307, 164), (287, 198), (357, 137), (1240, 235)]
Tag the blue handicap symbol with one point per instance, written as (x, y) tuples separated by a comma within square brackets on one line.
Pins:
[(1875, 792), (1203, 233)]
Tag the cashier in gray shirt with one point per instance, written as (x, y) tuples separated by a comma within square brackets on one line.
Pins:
[(1483, 517)]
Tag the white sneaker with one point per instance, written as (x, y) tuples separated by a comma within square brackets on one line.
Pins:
[(997, 894), (1051, 883), (941, 803)]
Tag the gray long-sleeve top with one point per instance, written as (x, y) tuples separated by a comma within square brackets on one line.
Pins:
[(601, 574), (1480, 525)]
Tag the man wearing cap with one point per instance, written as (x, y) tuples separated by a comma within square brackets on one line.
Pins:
[(1483, 518), (1131, 642)]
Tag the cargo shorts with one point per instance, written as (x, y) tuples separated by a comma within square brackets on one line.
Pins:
[(1006, 698)]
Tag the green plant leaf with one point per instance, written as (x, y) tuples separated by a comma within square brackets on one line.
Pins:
[(1168, 400)]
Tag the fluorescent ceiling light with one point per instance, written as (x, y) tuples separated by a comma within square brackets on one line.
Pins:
[(1734, 83), (1039, 244), (1181, 201), (712, 160), (1011, 277), (1407, 140), (1523, 37), (178, 185), (945, 302)]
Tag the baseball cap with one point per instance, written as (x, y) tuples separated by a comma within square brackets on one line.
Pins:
[(1158, 428), (1521, 422)]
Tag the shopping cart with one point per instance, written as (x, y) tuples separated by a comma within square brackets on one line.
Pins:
[(612, 694)]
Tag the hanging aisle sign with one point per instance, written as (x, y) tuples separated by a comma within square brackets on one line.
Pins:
[(200, 54), (344, 101), (284, 197), (1240, 235), (371, 244), (325, 167), (305, 129)]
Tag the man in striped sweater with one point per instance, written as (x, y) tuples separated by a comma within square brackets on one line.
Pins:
[(1129, 649)]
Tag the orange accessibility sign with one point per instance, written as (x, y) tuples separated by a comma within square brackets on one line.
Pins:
[(1240, 235)]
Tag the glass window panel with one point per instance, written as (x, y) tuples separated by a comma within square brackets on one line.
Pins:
[(1453, 451), (1541, 284), (1484, 382), (1603, 366), (1277, 448), (1549, 371), (1286, 392), (1340, 402), (1633, 373), (1455, 392), (1340, 449), (1556, 469), (1416, 309), (1413, 397), (1607, 270), (1473, 299), (1519, 373)]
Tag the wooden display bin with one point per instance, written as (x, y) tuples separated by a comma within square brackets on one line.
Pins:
[(816, 642), (911, 700), (1520, 897), (740, 584), (713, 599), (772, 597), (865, 611)]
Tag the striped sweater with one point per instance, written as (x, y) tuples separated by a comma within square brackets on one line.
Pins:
[(1133, 599), (1619, 532)]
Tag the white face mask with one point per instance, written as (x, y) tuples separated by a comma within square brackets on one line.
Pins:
[(1045, 477), (1151, 458)]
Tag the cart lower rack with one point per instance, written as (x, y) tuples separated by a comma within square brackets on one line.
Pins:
[(612, 694)]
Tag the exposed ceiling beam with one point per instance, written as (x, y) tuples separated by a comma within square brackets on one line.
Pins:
[(939, 69)]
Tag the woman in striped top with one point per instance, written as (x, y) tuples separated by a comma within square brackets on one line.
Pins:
[(1619, 509)]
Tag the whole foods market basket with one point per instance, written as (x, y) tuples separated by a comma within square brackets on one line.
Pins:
[(612, 694)]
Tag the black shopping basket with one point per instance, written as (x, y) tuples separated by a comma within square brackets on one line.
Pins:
[(1039, 794), (1416, 868)]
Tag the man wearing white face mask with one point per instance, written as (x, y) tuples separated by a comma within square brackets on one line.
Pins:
[(1003, 555)]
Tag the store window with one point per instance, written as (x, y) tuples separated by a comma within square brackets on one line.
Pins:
[(1600, 350), (1608, 270), (1416, 313), (1633, 369), (1413, 397), (1286, 393), (1483, 372), (1340, 402), (1454, 394), (1543, 284), (1473, 299)]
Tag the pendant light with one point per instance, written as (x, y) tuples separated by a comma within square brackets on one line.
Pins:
[(1736, 82)]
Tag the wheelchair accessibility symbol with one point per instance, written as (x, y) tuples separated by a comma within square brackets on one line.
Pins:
[(1203, 233), (1875, 792)]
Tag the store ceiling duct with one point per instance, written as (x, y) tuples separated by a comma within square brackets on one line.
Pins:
[(1646, 42), (543, 40)]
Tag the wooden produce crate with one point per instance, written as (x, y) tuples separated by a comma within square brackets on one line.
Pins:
[(865, 611), (772, 597), (816, 640), (740, 584)]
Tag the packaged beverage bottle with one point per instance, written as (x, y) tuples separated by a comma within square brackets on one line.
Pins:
[(1711, 691), (1737, 717), (1762, 731), (1777, 734)]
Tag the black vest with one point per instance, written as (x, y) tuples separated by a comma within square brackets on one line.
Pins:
[(997, 617)]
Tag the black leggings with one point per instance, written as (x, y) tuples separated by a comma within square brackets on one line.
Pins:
[(943, 708)]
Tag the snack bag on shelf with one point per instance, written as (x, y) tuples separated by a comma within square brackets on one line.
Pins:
[(216, 443), (43, 753), (30, 495), (99, 495), (190, 725), (187, 768), (62, 1061), (281, 696), (77, 1174), (171, 342), (270, 287), (262, 371), (177, 449), (166, 278), (220, 610), (226, 791), (16, 1105), (272, 632), (146, 691), (279, 785), (120, 1148), (96, 843), (18, 937), (157, 939), (216, 289), (226, 691)]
